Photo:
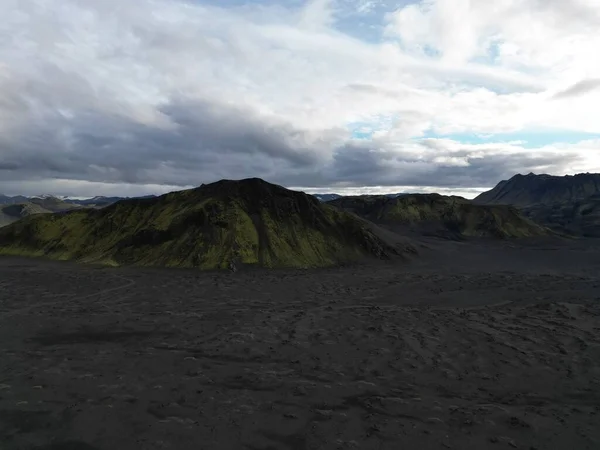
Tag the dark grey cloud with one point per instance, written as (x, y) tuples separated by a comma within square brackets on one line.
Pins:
[(198, 141), (194, 142), (580, 88), (490, 170), (371, 166)]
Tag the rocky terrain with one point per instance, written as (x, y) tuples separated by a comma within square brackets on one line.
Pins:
[(473, 345)]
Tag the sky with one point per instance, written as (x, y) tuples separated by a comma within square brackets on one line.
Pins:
[(113, 97)]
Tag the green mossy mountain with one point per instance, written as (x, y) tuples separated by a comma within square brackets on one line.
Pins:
[(248, 221), (528, 190), (12, 213), (52, 204), (434, 214)]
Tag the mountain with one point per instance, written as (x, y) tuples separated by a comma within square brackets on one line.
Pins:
[(331, 197), (51, 204), (326, 197), (248, 221), (528, 190), (12, 213), (64, 203), (434, 214), (100, 201), (94, 202), (7, 200), (576, 218), (48, 202)]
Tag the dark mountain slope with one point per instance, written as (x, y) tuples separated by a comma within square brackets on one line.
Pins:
[(12, 213), (576, 218), (434, 214), (52, 204), (527, 190), (250, 221), (7, 200)]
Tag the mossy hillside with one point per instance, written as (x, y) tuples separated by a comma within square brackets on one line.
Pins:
[(453, 214), (52, 204), (13, 212), (250, 221)]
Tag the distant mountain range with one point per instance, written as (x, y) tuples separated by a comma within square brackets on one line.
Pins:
[(15, 208), (6, 200), (253, 222), (94, 201), (568, 204), (330, 197), (19, 206), (326, 197), (14, 212), (531, 189)]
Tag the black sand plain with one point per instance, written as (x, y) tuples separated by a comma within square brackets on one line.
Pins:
[(471, 345)]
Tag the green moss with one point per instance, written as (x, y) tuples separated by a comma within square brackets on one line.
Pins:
[(251, 222), (453, 214)]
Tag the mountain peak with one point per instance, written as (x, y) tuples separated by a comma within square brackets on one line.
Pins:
[(531, 189), (245, 183), (249, 221), (45, 196)]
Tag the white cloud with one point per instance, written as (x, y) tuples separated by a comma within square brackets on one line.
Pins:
[(92, 88), (317, 14)]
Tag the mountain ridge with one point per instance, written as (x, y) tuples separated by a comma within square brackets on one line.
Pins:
[(14, 212), (47, 204), (444, 216), (531, 189), (249, 221)]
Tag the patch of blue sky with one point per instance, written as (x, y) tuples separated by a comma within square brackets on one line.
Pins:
[(490, 57), (237, 3), (365, 19), (363, 134), (431, 52), (525, 138), (366, 30), (362, 19), (364, 129)]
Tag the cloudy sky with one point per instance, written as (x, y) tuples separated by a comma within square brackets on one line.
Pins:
[(104, 97)]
